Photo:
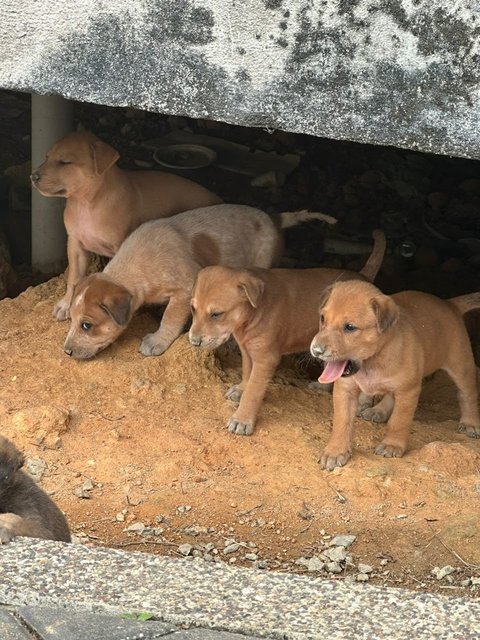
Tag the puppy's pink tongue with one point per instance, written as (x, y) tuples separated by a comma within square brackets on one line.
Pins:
[(333, 371)]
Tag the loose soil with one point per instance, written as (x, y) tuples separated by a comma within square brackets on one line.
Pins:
[(149, 433)]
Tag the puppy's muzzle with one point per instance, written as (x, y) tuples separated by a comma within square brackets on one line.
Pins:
[(318, 350), (35, 176), (68, 351), (195, 341)]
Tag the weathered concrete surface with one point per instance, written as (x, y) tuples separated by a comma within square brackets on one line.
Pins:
[(401, 72), (181, 592)]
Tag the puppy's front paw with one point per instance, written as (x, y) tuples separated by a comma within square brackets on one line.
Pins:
[(61, 311), (234, 393), (332, 458), (389, 450), (6, 534), (240, 428), (470, 430), (372, 414), (152, 346)]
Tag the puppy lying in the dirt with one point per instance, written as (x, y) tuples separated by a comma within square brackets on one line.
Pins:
[(25, 509), (104, 203), (270, 313), (158, 263), (378, 344)]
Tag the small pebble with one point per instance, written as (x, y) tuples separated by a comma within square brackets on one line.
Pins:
[(185, 549), (315, 564), (364, 568), (231, 548), (443, 572), (333, 567), (343, 540), (361, 577)]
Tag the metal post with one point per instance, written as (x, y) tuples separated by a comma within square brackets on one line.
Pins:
[(52, 118)]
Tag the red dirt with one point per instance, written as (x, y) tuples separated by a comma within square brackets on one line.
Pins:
[(150, 434)]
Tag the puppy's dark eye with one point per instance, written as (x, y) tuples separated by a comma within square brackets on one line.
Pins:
[(192, 309), (322, 318), (86, 326), (348, 327), (215, 315), (64, 162)]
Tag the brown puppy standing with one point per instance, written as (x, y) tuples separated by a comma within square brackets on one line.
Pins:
[(270, 313), (25, 509), (104, 203), (158, 263), (378, 344)]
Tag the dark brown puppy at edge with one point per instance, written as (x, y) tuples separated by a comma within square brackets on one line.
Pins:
[(25, 509), (375, 344), (270, 313)]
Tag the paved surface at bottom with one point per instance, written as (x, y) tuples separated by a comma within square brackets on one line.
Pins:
[(30, 623), (56, 591)]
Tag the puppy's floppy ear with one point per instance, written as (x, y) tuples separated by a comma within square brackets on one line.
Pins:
[(386, 312), (118, 305), (104, 156), (324, 296), (252, 287)]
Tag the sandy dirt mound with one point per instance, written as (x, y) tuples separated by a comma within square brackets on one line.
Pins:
[(125, 440)]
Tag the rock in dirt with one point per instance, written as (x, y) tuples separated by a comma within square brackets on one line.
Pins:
[(315, 564), (136, 527), (443, 572), (184, 508), (335, 554), (364, 568), (333, 567), (361, 577), (185, 549), (343, 540), (36, 468), (44, 424), (231, 548)]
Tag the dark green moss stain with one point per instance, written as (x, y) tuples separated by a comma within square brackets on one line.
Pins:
[(179, 20), (128, 65), (273, 4), (323, 90)]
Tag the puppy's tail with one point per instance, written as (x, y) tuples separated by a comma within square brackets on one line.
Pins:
[(374, 262), (466, 303), (292, 218)]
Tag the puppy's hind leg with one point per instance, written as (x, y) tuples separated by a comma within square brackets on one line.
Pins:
[(394, 444), (12, 525), (379, 412), (173, 321), (464, 375)]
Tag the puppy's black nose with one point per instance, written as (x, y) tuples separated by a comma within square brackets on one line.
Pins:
[(196, 341), (68, 351), (35, 176), (317, 350)]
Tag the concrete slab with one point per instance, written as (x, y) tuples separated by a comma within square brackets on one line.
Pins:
[(222, 597), (378, 71), (59, 624), (11, 628)]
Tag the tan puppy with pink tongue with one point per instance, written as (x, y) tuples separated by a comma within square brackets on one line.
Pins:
[(376, 344), (270, 313)]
